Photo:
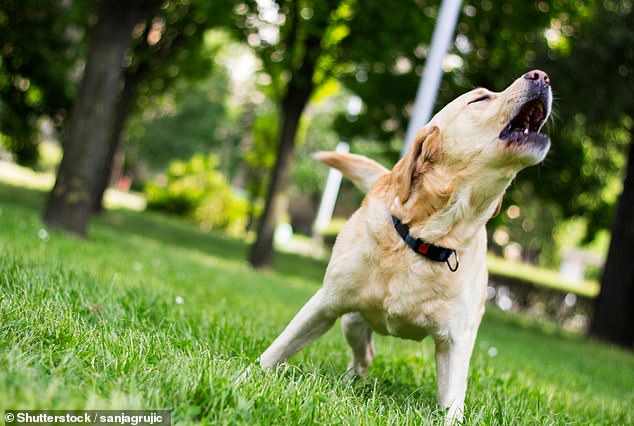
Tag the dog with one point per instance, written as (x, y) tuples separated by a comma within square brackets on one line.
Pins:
[(411, 261)]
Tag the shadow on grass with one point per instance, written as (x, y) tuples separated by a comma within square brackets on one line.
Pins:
[(23, 197), (174, 232), (385, 391), (185, 235), (400, 393)]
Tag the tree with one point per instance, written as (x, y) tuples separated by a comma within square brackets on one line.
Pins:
[(598, 74), (71, 200), (259, 158), (294, 41), (613, 318), (167, 46), (35, 32)]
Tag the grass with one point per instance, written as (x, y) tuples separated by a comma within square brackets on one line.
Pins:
[(540, 276), (152, 313)]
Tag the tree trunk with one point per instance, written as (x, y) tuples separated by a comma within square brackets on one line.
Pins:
[(297, 96), (70, 202), (124, 107), (613, 319)]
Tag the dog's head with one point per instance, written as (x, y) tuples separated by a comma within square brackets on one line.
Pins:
[(499, 129), (481, 137)]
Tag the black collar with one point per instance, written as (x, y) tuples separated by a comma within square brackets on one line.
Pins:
[(439, 254)]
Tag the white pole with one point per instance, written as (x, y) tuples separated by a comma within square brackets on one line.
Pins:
[(328, 199), (430, 80)]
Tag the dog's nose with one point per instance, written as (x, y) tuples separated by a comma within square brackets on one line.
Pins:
[(538, 76)]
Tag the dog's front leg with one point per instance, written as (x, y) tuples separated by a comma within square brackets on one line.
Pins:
[(452, 369), (313, 320)]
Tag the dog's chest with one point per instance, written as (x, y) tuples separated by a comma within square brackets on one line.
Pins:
[(410, 308)]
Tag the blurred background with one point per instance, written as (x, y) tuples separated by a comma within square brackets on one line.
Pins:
[(210, 110)]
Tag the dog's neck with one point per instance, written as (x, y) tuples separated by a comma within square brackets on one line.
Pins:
[(449, 212)]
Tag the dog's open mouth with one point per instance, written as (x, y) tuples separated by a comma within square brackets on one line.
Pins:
[(526, 124)]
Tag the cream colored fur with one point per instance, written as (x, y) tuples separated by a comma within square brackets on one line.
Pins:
[(446, 188), (362, 171)]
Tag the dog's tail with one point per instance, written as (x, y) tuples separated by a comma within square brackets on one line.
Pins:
[(362, 171)]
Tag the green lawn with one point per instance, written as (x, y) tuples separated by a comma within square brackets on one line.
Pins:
[(152, 313)]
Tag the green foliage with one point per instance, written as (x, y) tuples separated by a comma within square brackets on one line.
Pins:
[(383, 66), (259, 157), (166, 48), (265, 130), (529, 222), (188, 119), (195, 189), (152, 313), (597, 70), (40, 45), (594, 77), (286, 35), (170, 46), (308, 175), (178, 96)]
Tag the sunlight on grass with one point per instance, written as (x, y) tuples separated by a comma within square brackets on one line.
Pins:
[(540, 276), (13, 174)]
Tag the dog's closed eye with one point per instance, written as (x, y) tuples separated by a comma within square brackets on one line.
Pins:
[(481, 98)]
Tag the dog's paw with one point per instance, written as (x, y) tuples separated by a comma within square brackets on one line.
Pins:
[(356, 372), (454, 415)]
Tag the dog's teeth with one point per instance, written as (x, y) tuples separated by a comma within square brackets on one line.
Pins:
[(526, 131)]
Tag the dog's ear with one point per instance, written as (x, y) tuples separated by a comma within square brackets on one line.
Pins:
[(498, 208), (425, 150)]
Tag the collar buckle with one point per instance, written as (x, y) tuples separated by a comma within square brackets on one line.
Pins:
[(453, 268)]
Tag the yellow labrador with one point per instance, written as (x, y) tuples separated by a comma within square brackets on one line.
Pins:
[(411, 261)]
